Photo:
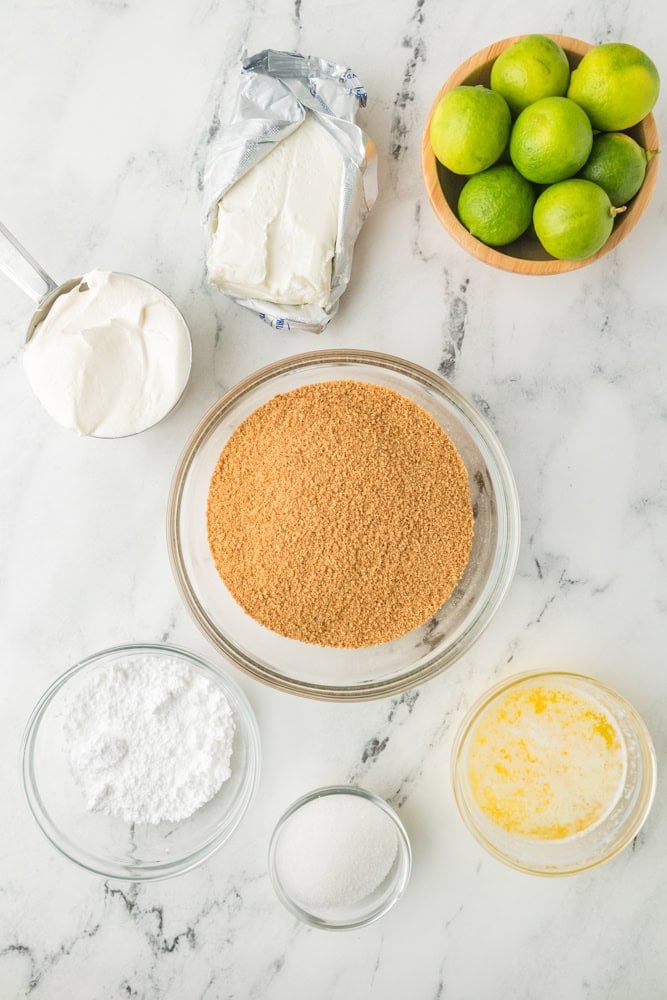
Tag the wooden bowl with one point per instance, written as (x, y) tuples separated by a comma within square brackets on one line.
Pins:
[(525, 255)]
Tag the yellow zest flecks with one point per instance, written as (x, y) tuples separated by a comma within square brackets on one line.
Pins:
[(546, 762)]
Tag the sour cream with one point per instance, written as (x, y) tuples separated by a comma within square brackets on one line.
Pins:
[(111, 357)]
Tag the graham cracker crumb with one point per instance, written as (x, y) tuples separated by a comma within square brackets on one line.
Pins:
[(339, 514)]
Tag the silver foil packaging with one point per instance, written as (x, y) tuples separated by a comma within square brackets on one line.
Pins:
[(277, 91)]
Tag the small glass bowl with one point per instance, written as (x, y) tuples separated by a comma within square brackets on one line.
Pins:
[(373, 906), (599, 842), (327, 673), (109, 846)]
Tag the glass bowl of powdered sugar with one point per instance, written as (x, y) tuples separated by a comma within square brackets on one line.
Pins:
[(140, 761)]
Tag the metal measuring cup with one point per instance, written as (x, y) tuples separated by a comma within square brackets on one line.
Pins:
[(22, 268)]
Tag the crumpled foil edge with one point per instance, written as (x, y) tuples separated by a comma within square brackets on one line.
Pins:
[(276, 92)]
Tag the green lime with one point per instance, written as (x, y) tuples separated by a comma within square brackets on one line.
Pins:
[(551, 140), (618, 164), (496, 205), (531, 68), (616, 84), (573, 219), (469, 129)]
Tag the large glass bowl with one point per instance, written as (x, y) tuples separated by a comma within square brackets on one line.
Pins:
[(332, 673), (109, 846)]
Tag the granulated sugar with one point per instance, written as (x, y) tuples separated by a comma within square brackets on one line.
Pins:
[(148, 739), (335, 851), (339, 514)]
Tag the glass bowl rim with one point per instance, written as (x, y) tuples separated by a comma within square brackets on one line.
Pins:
[(244, 717), (404, 850), (648, 783), (508, 514)]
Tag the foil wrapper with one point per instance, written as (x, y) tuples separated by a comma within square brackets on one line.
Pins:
[(276, 92)]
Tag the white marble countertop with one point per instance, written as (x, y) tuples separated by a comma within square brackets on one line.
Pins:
[(106, 110)]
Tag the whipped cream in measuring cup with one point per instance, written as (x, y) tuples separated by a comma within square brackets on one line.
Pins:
[(111, 357)]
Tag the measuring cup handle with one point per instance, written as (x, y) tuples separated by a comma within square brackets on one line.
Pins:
[(24, 271)]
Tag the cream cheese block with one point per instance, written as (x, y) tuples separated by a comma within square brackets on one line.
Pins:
[(275, 234)]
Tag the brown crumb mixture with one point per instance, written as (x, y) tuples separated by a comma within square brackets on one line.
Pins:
[(339, 514)]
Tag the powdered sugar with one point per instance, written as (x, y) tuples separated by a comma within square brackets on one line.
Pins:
[(148, 739)]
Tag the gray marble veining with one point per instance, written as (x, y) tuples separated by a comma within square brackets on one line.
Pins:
[(108, 109)]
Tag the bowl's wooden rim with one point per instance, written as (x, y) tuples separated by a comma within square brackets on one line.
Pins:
[(488, 255)]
